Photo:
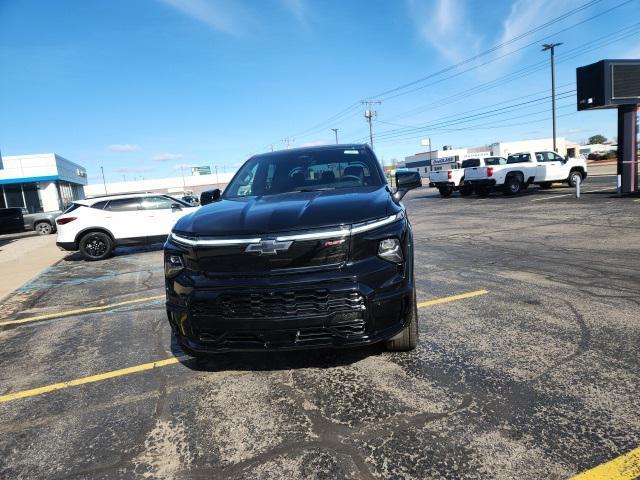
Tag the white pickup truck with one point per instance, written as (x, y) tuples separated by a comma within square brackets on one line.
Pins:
[(448, 181), (523, 169)]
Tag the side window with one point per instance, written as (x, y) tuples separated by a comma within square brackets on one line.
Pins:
[(246, 183), (124, 205), (156, 203), (100, 205), (554, 157), (541, 157)]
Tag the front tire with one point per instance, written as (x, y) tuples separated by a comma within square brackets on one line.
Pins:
[(95, 246), (573, 178), (43, 228), (407, 339)]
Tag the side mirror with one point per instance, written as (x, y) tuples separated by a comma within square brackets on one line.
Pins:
[(176, 206), (406, 181), (210, 196)]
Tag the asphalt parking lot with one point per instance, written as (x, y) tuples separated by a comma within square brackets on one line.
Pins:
[(527, 365)]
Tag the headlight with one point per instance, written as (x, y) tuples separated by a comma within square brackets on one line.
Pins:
[(389, 250), (173, 265)]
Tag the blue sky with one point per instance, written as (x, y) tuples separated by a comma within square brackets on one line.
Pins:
[(144, 86)]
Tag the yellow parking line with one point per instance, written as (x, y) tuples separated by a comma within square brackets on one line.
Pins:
[(161, 363), (452, 298), (91, 379), (625, 467), (78, 311)]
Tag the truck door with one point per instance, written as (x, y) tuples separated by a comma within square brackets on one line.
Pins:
[(550, 167)]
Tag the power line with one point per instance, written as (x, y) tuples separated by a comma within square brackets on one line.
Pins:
[(324, 123), (492, 49), (447, 121), (577, 51), (535, 42)]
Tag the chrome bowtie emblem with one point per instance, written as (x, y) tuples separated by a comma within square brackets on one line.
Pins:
[(268, 247)]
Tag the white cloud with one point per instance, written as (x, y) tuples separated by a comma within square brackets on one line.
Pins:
[(227, 17), (167, 157), (447, 26), (525, 14), (134, 170), (180, 166), (124, 147)]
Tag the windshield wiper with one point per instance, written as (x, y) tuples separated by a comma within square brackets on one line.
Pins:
[(314, 189)]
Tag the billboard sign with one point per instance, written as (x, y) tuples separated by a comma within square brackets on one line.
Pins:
[(205, 170)]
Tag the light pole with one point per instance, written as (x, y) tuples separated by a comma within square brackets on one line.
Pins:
[(103, 180), (552, 48), (335, 130)]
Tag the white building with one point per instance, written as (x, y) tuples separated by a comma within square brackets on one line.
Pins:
[(40, 183), (175, 185), (565, 147)]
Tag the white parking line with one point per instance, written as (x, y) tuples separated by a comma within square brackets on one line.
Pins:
[(549, 198), (569, 194)]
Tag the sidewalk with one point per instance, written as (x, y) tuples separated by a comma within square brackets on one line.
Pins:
[(23, 256)]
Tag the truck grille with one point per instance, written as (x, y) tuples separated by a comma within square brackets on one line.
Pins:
[(277, 304)]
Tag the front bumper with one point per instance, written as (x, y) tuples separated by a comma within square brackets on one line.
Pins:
[(355, 303)]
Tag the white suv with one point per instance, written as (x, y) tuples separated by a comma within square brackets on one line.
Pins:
[(95, 226)]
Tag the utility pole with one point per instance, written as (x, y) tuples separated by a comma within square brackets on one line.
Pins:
[(370, 114), (335, 130), (288, 141), (552, 48), (103, 181)]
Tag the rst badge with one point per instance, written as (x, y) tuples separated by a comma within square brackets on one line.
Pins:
[(268, 247)]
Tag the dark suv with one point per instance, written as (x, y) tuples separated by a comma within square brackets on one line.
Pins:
[(305, 248)]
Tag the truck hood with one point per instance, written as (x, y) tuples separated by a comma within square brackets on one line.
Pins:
[(288, 212)]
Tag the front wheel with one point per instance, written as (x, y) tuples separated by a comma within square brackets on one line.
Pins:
[(574, 178), (43, 228), (96, 246), (407, 339), (445, 191)]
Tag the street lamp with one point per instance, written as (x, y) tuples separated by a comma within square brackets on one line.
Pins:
[(552, 47), (335, 130)]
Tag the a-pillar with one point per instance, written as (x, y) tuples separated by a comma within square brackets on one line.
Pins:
[(628, 147)]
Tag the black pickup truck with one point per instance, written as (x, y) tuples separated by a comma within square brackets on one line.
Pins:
[(306, 248), (19, 219)]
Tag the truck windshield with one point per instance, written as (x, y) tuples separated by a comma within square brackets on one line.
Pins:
[(303, 171)]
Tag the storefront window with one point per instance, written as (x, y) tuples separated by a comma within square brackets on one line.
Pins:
[(65, 193), (32, 197), (13, 195)]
